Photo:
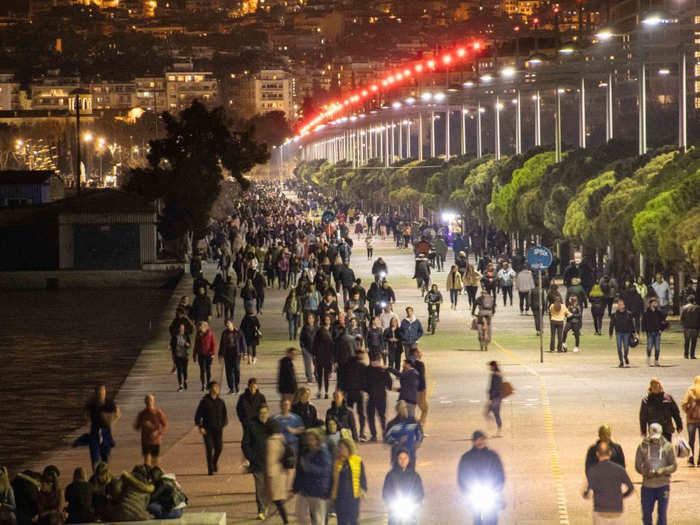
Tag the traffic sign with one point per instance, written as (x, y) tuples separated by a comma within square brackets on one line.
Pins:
[(327, 217), (539, 257)]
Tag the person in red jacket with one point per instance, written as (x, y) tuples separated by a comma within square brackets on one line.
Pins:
[(204, 351)]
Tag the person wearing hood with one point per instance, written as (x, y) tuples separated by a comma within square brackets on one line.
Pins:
[(403, 491), (312, 480), (655, 461), (616, 453), (634, 303), (597, 300), (659, 407), (134, 496), (480, 469), (691, 407), (80, 499), (8, 505), (349, 483), (167, 501)]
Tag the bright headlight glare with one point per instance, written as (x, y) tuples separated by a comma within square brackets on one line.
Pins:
[(402, 509), (482, 498)]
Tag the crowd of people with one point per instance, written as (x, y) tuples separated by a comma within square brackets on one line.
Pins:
[(356, 349)]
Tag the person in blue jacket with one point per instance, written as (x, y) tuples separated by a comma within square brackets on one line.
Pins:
[(410, 331), (312, 482)]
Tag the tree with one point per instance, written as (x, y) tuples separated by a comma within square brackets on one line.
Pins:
[(271, 128), (185, 169)]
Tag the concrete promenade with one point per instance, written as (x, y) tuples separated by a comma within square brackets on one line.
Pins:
[(548, 423)]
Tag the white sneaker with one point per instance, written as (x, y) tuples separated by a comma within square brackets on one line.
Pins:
[(563, 347), (656, 363), (576, 349), (648, 361)]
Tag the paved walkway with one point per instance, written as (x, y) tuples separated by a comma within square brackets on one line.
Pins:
[(549, 422)]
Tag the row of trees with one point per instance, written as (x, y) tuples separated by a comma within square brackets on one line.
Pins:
[(594, 198)]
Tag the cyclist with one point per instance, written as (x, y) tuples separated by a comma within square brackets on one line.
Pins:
[(433, 299)]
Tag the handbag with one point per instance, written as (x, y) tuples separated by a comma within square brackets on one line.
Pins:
[(682, 448), (634, 340)]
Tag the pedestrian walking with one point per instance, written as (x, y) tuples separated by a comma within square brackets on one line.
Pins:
[(378, 382), (392, 339), (617, 455), (471, 278), (322, 350), (303, 408), (605, 480), (253, 444), (211, 418), (454, 286), (103, 413), (691, 407), (291, 310), (663, 292), (557, 316), (655, 461), (353, 383), (375, 342), (402, 491), (659, 407), (228, 298), (480, 478), (409, 382), (622, 323), (252, 331), (495, 393), (291, 425), (313, 479), (410, 331), (204, 352), (306, 341), (690, 321), (275, 470), (369, 243), (180, 349), (653, 322), (597, 300), (152, 423), (403, 433), (416, 358), (286, 376), (574, 320), (525, 283), (343, 417), (506, 276), (232, 347), (349, 483), (200, 311)]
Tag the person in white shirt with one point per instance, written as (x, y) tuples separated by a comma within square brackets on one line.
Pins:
[(505, 277), (663, 292)]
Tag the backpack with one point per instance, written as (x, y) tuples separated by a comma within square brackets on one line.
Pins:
[(506, 389), (289, 460)]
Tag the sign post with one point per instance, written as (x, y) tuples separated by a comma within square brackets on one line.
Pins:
[(539, 258)]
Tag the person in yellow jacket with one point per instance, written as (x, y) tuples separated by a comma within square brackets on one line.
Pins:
[(558, 314), (349, 483), (454, 285)]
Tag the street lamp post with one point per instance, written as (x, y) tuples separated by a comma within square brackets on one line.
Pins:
[(609, 109), (642, 109), (400, 133), (538, 122), (478, 130), (682, 104), (408, 138), (463, 131), (432, 134), (582, 115), (518, 131), (420, 136), (497, 128), (447, 133), (557, 127)]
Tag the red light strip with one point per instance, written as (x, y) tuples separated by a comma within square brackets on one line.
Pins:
[(334, 109)]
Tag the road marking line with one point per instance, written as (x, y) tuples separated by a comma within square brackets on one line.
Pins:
[(555, 465)]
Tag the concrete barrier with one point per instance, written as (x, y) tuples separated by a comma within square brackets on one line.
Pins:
[(194, 518)]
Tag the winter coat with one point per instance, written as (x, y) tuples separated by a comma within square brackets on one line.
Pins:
[(400, 483), (454, 281), (205, 344), (232, 344), (392, 346), (26, 488), (622, 322), (314, 474), (308, 414), (343, 417), (495, 386), (659, 408), (347, 277), (344, 348), (249, 405), (211, 413), (411, 331), (229, 293), (479, 466), (306, 337), (597, 304), (322, 348), (134, 498), (185, 321), (275, 473), (633, 301), (410, 383), (690, 317), (617, 454), (375, 339), (254, 444), (250, 326), (524, 281), (652, 320), (403, 434), (286, 378), (79, 496), (378, 382), (486, 305), (655, 461), (201, 308), (691, 403), (354, 376), (506, 276)]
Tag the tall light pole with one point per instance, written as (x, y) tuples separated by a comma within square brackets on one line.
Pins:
[(538, 119), (447, 133), (432, 134), (497, 128), (463, 131), (400, 124), (408, 138), (682, 103), (420, 136), (609, 109), (77, 92), (642, 108), (557, 127), (518, 123), (582, 114), (479, 111)]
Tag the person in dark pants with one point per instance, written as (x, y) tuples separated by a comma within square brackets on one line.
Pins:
[(204, 351), (322, 351), (652, 324), (286, 377), (211, 419), (402, 487), (180, 348), (659, 407), (655, 461), (103, 413), (253, 444), (228, 297), (354, 383), (231, 347), (597, 300), (605, 478), (250, 326), (690, 320), (349, 483), (622, 323), (378, 382), (481, 468), (557, 316), (495, 395)]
